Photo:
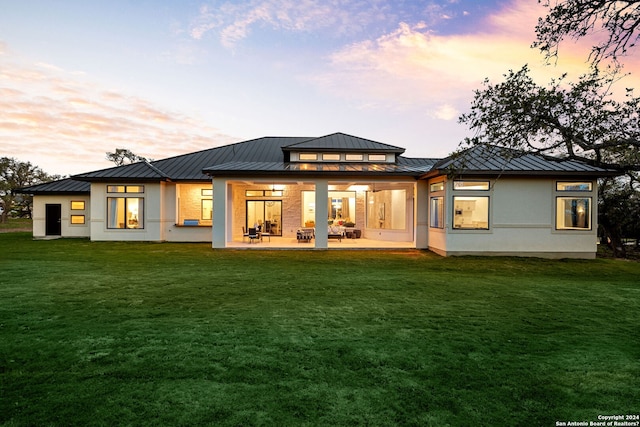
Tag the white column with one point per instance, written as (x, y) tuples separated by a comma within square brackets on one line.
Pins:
[(219, 226), (322, 206), (421, 214)]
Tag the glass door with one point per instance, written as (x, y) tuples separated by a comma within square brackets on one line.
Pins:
[(267, 214)]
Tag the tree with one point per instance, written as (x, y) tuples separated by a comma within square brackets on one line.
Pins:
[(579, 121), (617, 20), (582, 120), (123, 156), (15, 174)]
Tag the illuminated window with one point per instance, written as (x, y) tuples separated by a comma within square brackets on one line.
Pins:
[(77, 205), (354, 157), (77, 219), (125, 188), (206, 192), (125, 212), (471, 185), (437, 212), (387, 209), (573, 213), (207, 209), (377, 157), (115, 188), (308, 156), (573, 186), (331, 157), (437, 186), (135, 189), (471, 213)]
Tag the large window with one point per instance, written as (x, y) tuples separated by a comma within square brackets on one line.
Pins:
[(471, 213), (341, 208), (125, 212), (437, 212), (573, 213), (387, 209)]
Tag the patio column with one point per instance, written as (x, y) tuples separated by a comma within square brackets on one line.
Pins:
[(322, 206), (421, 215), (219, 223)]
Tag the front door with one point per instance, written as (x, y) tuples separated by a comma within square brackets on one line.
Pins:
[(53, 220), (265, 213)]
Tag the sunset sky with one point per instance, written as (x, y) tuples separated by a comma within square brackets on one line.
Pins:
[(166, 77)]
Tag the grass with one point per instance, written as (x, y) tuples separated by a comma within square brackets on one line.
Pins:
[(14, 224), (179, 334)]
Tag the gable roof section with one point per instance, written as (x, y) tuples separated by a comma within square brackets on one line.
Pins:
[(493, 160), (63, 186), (188, 167), (141, 171), (343, 142)]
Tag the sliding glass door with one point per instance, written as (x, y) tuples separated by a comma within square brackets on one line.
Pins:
[(267, 214)]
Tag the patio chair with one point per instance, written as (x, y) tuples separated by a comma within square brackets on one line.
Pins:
[(244, 234), (253, 234)]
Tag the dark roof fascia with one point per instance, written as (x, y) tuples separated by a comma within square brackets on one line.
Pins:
[(282, 171), (311, 174), (495, 173)]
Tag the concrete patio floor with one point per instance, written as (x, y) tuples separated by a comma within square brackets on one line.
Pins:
[(277, 242)]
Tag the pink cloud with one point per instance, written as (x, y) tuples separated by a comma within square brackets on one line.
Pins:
[(65, 124)]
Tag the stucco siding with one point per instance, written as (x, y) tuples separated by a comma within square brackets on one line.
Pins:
[(522, 222), (67, 228)]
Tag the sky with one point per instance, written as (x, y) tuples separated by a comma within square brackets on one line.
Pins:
[(161, 78)]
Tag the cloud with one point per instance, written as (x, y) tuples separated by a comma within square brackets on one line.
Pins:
[(234, 21), (65, 124), (415, 68)]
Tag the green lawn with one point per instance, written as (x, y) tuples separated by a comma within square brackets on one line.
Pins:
[(179, 334)]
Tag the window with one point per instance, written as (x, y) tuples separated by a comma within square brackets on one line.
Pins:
[(77, 219), (263, 193), (573, 186), (377, 157), (77, 205), (387, 209), (437, 212), (437, 186), (125, 188), (471, 185), (206, 192), (471, 213), (207, 209), (331, 157), (125, 212), (308, 156), (115, 188), (354, 157), (573, 213)]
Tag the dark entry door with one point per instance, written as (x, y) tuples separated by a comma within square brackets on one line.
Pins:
[(53, 219)]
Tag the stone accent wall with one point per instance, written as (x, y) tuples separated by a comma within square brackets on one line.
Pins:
[(190, 202)]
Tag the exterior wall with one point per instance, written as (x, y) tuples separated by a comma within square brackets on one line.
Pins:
[(182, 202), (521, 222), (152, 231), (68, 229)]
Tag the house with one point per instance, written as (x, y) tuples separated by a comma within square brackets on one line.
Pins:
[(483, 201)]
